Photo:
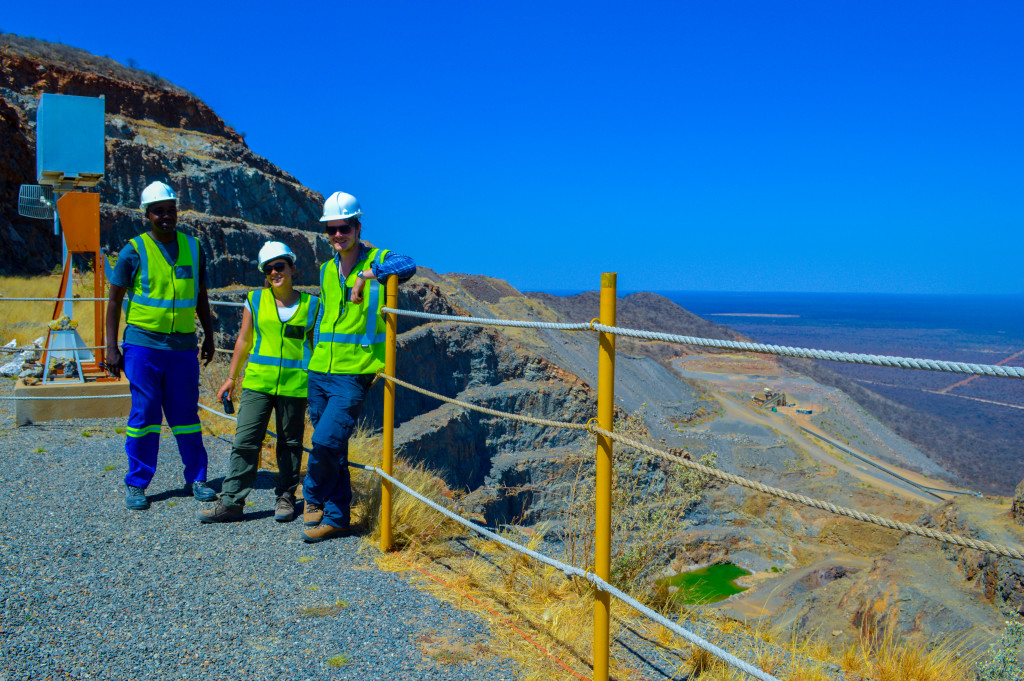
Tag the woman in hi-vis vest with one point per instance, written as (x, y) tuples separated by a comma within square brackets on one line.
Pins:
[(276, 336)]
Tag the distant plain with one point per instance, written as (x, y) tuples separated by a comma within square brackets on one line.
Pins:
[(985, 415)]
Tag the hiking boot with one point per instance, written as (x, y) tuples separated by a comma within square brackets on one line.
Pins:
[(284, 509), (220, 513), (312, 514), (136, 499), (201, 491), (322, 532)]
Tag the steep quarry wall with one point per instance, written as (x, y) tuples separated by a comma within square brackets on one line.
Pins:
[(230, 198)]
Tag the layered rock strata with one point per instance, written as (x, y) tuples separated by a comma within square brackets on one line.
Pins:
[(230, 198)]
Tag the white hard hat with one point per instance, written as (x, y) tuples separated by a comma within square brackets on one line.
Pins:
[(272, 250), (341, 206), (157, 191)]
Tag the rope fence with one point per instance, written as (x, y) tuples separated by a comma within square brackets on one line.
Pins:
[(591, 427), (485, 410), (946, 366), (98, 300), (41, 349), (926, 532), (68, 397), (486, 321), (571, 571), (829, 355)]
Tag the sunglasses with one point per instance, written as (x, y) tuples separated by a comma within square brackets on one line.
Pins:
[(275, 267), (339, 229)]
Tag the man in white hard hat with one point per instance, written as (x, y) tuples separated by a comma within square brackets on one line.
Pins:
[(349, 350), (164, 274)]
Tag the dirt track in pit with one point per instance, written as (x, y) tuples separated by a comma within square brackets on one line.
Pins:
[(726, 378)]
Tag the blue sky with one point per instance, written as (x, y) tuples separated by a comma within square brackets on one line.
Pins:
[(769, 146)]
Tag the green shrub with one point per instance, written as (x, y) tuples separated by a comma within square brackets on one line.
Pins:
[(1003, 665)]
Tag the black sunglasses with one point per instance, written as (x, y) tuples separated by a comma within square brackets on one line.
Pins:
[(274, 267), (339, 229)]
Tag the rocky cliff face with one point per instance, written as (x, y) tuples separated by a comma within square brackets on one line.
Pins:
[(231, 199)]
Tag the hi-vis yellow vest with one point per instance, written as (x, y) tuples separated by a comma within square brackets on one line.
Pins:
[(280, 353), (349, 337), (163, 297)]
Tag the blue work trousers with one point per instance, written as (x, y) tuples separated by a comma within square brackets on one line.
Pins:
[(335, 401), (163, 383)]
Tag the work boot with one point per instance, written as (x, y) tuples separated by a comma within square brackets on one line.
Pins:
[(220, 513), (284, 509), (201, 491), (312, 514), (322, 532), (136, 499)]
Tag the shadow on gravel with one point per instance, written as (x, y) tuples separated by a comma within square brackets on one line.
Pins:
[(257, 515), (176, 493)]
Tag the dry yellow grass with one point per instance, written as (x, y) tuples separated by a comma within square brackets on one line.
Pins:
[(26, 321)]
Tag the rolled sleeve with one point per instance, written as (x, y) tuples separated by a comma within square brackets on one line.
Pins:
[(127, 266), (394, 264)]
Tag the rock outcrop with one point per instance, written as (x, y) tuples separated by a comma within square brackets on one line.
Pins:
[(920, 586), (229, 197)]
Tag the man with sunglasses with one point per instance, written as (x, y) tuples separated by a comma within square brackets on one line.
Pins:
[(348, 351), (164, 274)]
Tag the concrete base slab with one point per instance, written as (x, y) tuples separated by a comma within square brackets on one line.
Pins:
[(38, 410)]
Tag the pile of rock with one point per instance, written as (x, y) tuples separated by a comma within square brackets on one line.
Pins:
[(25, 363)]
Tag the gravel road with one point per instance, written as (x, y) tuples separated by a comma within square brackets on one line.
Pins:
[(92, 590)]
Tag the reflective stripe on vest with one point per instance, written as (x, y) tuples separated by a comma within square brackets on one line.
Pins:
[(349, 337), (163, 297), (280, 353)]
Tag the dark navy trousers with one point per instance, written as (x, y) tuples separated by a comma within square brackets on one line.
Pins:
[(164, 383), (335, 401)]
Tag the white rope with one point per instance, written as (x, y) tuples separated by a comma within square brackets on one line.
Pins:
[(221, 414), (486, 321), (67, 397), (4, 299), (235, 419), (786, 351), (53, 351), (572, 571), (830, 355)]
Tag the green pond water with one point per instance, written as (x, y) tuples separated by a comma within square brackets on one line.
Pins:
[(707, 585)]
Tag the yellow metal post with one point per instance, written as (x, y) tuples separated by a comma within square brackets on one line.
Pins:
[(390, 357), (603, 519)]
